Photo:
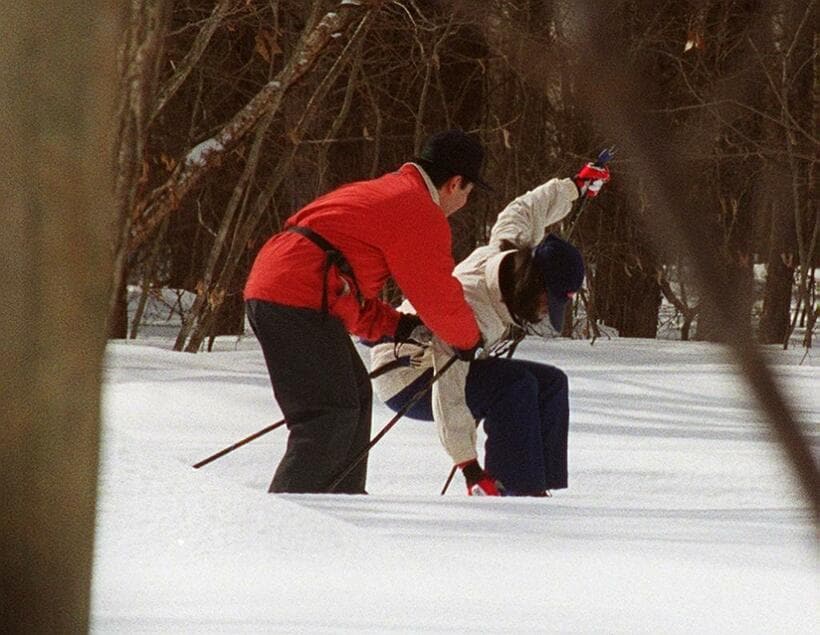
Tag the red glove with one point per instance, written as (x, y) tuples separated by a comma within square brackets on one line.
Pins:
[(479, 483), (591, 179)]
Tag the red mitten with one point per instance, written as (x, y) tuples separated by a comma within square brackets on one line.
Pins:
[(591, 179), (479, 483)]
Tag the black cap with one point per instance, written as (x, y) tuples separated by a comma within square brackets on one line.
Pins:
[(563, 269), (455, 152)]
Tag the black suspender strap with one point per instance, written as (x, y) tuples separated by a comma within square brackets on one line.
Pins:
[(333, 257)]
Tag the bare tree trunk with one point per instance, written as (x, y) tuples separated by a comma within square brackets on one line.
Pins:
[(184, 68), (57, 210), (688, 313), (140, 52), (777, 294)]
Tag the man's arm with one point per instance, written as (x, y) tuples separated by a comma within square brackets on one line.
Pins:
[(422, 266)]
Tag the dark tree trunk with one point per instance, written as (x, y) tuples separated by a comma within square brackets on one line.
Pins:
[(231, 318), (118, 315), (628, 300), (710, 326), (777, 298)]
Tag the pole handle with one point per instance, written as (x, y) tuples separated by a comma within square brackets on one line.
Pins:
[(604, 157)]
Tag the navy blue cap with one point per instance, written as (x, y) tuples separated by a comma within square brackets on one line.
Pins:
[(563, 269)]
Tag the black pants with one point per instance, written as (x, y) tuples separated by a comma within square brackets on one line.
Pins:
[(324, 392)]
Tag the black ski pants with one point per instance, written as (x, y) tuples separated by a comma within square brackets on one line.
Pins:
[(324, 392)]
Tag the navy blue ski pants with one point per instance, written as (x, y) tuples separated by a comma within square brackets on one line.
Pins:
[(525, 408)]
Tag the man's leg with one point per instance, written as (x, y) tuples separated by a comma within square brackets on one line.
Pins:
[(505, 394), (354, 483), (316, 377)]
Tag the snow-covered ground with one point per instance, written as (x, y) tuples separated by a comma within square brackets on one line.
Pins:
[(681, 515)]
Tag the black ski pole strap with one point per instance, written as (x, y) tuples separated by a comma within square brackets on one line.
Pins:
[(514, 344), (333, 258)]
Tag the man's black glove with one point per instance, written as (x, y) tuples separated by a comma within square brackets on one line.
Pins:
[(468, 354), (411, 329)]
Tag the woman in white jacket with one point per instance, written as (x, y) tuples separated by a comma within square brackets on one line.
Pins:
[(520, 277)]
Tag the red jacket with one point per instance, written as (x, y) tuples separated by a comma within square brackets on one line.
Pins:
[(385, 227)]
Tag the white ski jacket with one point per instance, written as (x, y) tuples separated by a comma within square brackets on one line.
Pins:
[(522, 223)]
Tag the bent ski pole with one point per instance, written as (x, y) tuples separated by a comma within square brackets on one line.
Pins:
[(381, 370), (604, 157), (403, 411)]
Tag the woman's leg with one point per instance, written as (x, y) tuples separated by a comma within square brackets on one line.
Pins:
[(422, 409), (506, 395), (553, 407)]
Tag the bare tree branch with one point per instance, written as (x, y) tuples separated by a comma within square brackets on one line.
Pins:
[(209, 154), (192, 57)]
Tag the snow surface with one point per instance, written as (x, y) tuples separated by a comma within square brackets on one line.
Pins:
[(681, 515)]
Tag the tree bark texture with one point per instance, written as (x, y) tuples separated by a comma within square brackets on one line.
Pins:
[(57, 66), (777, 292)]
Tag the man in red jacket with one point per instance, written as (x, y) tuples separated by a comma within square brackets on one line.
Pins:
[(320, 279)]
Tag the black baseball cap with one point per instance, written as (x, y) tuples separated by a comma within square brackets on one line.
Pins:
[(457, 153)]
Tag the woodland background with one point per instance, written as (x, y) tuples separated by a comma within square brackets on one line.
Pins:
[(234, 114), (229, 115)]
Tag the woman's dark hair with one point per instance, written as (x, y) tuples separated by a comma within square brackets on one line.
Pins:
[(522, 285)]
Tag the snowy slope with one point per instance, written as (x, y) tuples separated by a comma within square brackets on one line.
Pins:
[(680, 516)]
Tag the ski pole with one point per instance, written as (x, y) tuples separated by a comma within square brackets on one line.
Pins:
[(239, 444), (449, 479), (381, 370), (403, 411), (604, 157)]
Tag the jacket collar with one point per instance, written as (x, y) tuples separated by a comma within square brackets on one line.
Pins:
[(492, 279), (430, 187)]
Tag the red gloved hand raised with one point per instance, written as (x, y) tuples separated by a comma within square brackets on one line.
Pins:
[(479, 483), (591, 179)]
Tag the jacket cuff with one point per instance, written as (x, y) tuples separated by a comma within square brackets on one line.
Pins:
[(569, 189), (462, 456)]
